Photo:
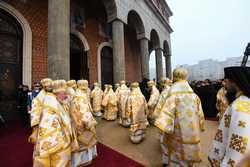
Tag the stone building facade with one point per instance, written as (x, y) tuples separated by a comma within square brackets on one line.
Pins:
[(99, 40)]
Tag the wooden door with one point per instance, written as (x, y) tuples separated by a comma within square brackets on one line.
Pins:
[(107, 65), (10, 63)]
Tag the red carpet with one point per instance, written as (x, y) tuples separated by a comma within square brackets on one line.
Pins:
[(15, 151), (111, 158)]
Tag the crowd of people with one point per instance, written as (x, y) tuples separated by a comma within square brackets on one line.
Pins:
[(62, 117), (24, 100), (207, 91), (64, 127)]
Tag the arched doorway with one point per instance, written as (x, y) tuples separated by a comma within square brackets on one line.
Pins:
[(152, 66), (134, 31), (89, 15), (11, 37), (107, 65), (78, 59), (156, 58)]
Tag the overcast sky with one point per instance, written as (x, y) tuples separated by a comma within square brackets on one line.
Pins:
[(206, 29)]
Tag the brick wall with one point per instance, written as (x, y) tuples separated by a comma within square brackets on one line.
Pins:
[(91, 33), (36, 13), (132, 56)]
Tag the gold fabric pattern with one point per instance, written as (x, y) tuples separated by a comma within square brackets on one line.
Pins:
[(161, 101), (231, 163), (238, 143), (96, 96), (136, 110), (122, 96), (221, 103), (54, 134), (215, 163), (109, 104), (216, 151), (233, 134), (243, 106), (219, 137), (154, 97), (242, 124), (182, 121), (36, 108)]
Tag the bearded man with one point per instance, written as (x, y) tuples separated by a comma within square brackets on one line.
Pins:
[(232, 139)]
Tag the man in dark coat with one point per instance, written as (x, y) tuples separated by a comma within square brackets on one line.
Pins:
[(144, 88), (23, 104)]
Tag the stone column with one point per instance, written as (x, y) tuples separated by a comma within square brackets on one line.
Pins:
[(168, 66), (59, 39), (118, 51), (144, 58), (159, 65)]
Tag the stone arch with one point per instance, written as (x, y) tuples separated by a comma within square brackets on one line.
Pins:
[(82, 38), (156, 50), (154, 40), (167, 55), (85, 43), (136, 22), (166, 48), (27, 42), (99, 50), (111, 9), (84, 57)]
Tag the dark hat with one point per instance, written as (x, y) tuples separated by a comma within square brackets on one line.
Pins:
[(241, 76)]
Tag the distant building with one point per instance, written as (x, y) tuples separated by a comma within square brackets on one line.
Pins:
[(211, 69)]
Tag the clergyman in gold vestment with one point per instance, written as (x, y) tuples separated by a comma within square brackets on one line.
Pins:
[(84, 125), (181, 120), (96, 100), (109, 104), (53, 145), (136, 112)]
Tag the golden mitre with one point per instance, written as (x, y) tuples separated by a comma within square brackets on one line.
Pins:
[(122, 82), (82, 84), (46, 82), (163, 79), (151, 83), (106, 86), (110, 86), (134, 85), (180, 73), (166, 81), (96, 84), (71, 83), (59, 86)]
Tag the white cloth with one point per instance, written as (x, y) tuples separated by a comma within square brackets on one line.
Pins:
[(232, 139), (84, 157)]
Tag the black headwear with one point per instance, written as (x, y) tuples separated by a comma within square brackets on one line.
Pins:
[(241, 76)]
